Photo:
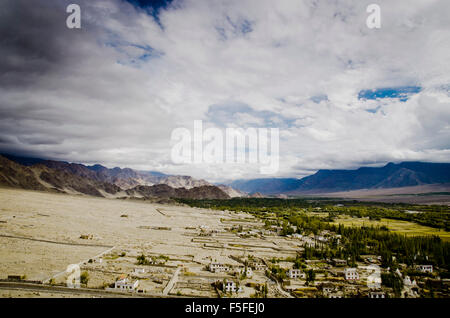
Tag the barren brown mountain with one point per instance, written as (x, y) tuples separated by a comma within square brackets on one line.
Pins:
[(75, 178)]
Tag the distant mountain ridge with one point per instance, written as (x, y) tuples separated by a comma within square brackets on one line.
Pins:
[(59, 176), (125, 178), (97, 180), (389, 176)]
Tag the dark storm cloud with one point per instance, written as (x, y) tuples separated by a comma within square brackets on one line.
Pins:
[(69, 93), (34, 40)]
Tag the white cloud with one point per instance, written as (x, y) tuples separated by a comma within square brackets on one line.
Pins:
[(113, 92)]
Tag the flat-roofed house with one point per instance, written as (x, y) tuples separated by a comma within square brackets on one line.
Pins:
[(229, 286), (377, 294), (218, 267), (139, 270), (351, 274), (425, 268), (339, 262), (295, 273), (123, 283), (258, 266)]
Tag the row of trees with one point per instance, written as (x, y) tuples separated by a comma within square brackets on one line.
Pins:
[(355, 241), (437, 216)]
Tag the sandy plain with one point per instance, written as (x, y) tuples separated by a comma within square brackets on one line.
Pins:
[(42, 233)]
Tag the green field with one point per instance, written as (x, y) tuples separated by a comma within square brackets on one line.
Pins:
[(398, 226)]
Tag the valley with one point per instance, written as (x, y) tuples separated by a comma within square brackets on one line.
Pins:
[(166, 250)]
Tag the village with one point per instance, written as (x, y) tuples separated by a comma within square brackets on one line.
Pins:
[(137, 249), (249, 254)]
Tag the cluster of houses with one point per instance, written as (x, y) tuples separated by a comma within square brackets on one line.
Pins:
[(247, 270), (353, 275), (313, 240)]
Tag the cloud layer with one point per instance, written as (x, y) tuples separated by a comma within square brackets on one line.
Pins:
[(114, 91)]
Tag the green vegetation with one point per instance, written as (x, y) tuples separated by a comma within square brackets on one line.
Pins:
[(310, 276), (84, 278), (312, 217), (142, 259), (398, 226), (436, 216), (393, 281)]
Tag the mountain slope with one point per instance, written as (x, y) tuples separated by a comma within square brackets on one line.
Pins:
[(41, 177), (165, 191), (266, 185), (233, 193), (389, 176), (18, 176), (125, 178), (48, 175)]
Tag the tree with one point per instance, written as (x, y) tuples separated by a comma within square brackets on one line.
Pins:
[(310, 276), (394, 281), (141, 259), (84, 278)]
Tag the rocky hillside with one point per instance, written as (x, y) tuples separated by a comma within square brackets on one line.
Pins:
[(46, 175), (41, 177), (165, 191), (125, 178), (18, 176), (233, 193), (392, 175)]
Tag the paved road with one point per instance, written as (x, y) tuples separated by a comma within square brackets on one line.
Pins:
[(172, 282), (72, 291)]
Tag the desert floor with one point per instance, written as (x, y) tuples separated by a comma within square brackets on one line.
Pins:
[(41, 234)]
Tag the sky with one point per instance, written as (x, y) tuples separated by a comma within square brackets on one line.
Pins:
[(342, 95)]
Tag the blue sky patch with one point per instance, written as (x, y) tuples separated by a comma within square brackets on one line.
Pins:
[(154, 4), (402, 93), (153, 7)]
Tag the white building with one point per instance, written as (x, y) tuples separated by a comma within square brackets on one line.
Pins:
[(258, 267), (336, 295), (123, 283), (295, 273), (377, 295), (218, 267), (351, 274), (425, 268), (229, 286), (139, 270)]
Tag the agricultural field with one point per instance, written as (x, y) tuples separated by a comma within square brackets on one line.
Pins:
[(397, 226)]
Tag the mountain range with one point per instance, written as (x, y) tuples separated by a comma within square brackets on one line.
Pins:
[(392, 175), (97, 180)]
